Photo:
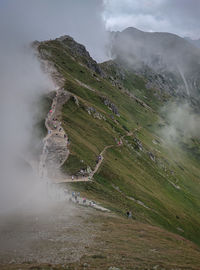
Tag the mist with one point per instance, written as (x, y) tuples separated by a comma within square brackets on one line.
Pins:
[(22, 81), (173, 57), (182, 123)]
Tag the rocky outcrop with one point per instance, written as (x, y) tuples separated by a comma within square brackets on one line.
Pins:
[(79, 51), (92, 111), (110, 105), (138, 144)]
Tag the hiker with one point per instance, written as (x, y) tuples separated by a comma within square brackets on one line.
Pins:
[(65, 135), (84, 200), (60, 129), (129, 214), (72, 177)]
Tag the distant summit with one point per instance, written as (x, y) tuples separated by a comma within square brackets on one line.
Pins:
[(161, 52)]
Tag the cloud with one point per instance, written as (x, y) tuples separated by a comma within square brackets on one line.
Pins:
[(48, 19), (176, 16), (22, 80), (182, 123)]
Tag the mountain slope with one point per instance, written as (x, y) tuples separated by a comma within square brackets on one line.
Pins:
[(140, 172), (167, 54)]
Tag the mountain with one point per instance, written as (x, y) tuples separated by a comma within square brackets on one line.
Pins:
[(195, 42), (168, 55), (117, 108)]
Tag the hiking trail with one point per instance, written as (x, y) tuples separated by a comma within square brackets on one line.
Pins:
[(55, 149)]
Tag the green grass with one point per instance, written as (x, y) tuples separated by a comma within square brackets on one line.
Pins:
[(126, 167)]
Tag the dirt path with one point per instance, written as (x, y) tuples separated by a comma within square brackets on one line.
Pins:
[(89, 178), (55, 148), (56, 134)]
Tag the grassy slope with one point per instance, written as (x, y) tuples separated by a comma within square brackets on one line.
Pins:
[(126, 167)]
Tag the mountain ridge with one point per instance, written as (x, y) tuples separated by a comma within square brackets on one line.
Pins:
[(142, 172), (162, 53)]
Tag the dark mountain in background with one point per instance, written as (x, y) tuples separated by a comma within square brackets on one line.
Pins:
[(173, 58)]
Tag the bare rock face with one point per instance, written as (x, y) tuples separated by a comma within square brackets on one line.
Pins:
[(79, 51), (110, 105), (92, 111)]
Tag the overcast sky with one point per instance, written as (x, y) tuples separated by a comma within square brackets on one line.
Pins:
[(22, 21), (176, 16)]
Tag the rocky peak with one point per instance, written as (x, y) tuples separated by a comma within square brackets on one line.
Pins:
[(80, 52)]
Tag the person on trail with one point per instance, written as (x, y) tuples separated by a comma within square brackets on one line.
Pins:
[(72, 177), (60, 129), (84, 200), (127, 214), (65, 135)]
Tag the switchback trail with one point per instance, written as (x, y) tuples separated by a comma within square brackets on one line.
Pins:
[(87, 178), (90, 176)]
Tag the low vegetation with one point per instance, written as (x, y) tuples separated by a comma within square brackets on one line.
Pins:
[(158, 183)]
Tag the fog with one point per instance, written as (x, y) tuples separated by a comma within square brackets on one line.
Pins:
[(48, 19), (150, 54), (182, 123), (163, 53), (22, 82)]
